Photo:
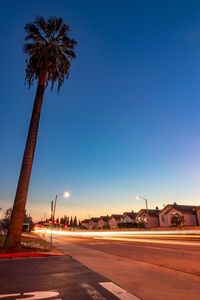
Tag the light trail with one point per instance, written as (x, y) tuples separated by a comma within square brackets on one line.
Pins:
[(161, 233), (175, 242)]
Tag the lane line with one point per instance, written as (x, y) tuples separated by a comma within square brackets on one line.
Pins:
[(40, 295), (35, 295), (117, 291), (92, 292)]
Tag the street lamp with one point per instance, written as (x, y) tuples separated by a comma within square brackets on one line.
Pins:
[(53, 210), (66, 195), (140, 197)]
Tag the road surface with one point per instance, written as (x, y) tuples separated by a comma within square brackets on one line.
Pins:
[(147, 267), (55, 278)]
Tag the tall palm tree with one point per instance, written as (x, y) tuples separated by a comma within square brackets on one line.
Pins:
[(49, 55)]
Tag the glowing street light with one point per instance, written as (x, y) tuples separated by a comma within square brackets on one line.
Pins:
[(53, 210), (66, 195), (140, 197)]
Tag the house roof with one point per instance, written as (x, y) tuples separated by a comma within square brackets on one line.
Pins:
[(85, 221), (130, 214), (182, 208), (104, 218), (117, 217), (94, 219), (151, 212)]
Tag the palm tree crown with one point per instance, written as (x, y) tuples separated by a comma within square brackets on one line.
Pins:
[(50, 49)]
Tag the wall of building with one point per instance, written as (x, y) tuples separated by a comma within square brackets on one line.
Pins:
[(102, 223), (126, 219), (153, 222), (165, 219), (190, 220), (198, 216), (113, 223), (93, 225), (85, 225)]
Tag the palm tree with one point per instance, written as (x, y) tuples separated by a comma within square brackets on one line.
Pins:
[(49, 55)]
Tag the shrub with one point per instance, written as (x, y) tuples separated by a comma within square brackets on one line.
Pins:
[(106, 226), (127, 225), (140, 224), (177, 219), (82, 227)]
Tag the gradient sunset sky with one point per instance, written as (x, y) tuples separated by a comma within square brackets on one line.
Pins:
[(126, 122)]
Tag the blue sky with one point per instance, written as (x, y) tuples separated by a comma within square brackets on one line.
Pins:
[(126, 122)]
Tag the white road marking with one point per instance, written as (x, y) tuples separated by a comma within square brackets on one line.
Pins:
[(117, 291), (40, 295), (35, 295), (92, 292)]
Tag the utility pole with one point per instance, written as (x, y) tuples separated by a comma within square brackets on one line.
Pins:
[(51, 224)]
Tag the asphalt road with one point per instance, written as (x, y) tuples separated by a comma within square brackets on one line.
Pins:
[(144, 266), (54, 278)]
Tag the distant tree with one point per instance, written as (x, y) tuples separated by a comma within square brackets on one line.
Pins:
[(49, 53), (177, 219), (62, 221), (4, 223), (75, 222), (71, 224), (66, 220)]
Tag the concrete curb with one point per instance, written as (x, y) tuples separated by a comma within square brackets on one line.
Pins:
[(26, 254)]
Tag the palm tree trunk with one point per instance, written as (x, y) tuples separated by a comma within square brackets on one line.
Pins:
[(13, 239)]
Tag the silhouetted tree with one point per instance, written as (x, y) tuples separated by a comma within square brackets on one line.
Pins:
[(49, 54), (71, 222), (75, 221)]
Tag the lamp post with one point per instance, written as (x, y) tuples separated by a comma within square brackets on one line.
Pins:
[(66, 195), (53, 209), (140, 197)]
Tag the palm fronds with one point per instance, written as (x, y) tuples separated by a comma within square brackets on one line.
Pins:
[(48, 47)]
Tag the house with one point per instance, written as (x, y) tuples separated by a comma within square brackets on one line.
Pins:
[(86, 223), (103, 221), (149, 217), (189, 212), (93, 223), (198, 215), (114, 220), (128, 217)]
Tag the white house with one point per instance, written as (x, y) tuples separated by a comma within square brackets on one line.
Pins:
[(103, 221), (198, 215), (128, 217), (86, 223), (93, 223), (114, 220), (149, 217), (189, 212)]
